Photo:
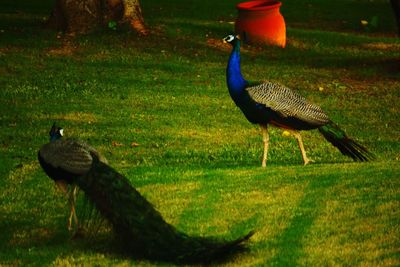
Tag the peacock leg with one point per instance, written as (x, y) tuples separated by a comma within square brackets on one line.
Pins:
[(297, 135), (71, 196), (264, 129), (72, 201)]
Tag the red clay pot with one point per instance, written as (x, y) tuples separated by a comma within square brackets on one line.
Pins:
[(261, 22)]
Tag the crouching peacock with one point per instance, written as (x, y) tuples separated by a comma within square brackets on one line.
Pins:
[(139, 227), (267, 103)]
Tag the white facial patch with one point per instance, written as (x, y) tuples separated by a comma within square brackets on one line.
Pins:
[(229, 38), (61, 131)]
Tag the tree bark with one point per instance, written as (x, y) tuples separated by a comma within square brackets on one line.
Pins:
[(84, 16), (133, 13), (396, 9)]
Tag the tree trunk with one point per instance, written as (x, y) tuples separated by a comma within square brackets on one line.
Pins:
[(133, 14), (84, 16), (396, 9)]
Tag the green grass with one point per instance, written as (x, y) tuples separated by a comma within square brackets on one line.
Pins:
[(197, 157)]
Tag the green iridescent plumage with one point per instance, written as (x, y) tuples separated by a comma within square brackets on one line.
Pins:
[(269, 103), (346, 145), (138, 226)]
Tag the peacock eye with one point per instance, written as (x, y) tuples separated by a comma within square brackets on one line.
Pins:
[(229, 38)]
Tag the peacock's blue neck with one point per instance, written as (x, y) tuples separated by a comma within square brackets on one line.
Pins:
[(236, 82), (54, 137)]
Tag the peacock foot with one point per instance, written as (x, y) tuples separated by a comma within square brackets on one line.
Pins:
[(263, 165), (308, 161), (79, 233)]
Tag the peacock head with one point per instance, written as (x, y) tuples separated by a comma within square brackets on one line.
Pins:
[(56, 132), (231, 39)]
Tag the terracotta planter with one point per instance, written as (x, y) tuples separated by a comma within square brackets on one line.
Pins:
[(261, 22)]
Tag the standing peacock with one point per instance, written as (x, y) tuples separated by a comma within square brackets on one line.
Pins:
[(270, 103), (68, 163), (139, 227)]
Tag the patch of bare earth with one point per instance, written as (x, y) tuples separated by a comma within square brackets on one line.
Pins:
[(382, 46), (66, 49)]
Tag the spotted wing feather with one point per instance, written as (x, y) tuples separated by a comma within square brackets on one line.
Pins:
[(287, 103)]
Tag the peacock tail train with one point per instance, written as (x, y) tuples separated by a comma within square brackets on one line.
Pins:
[(268, 103), (347, 146), (140, 228)]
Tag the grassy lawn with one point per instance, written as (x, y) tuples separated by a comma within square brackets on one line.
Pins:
[(159, 110)]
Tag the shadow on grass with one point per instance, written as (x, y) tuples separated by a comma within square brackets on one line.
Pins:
[(290, 243), (23, 242)]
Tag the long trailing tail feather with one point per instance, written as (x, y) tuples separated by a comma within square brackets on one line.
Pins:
[(142, 230), (346, 145)]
